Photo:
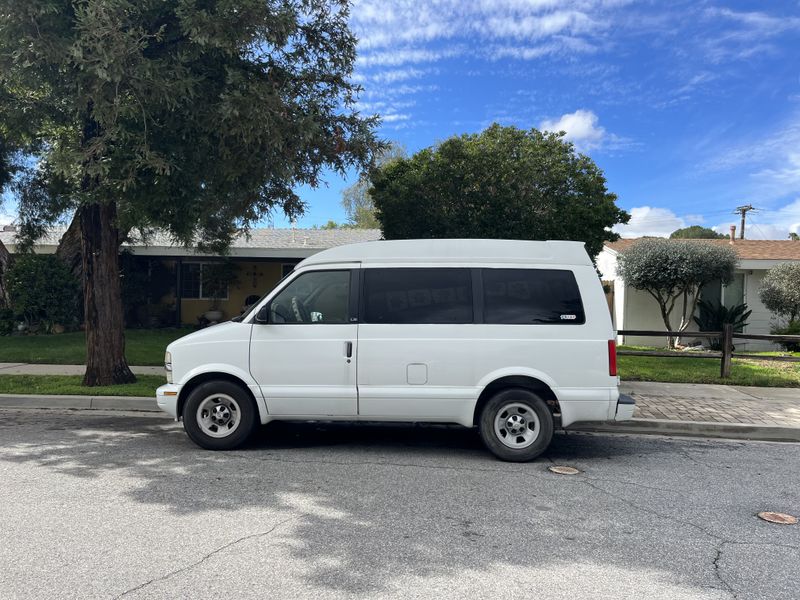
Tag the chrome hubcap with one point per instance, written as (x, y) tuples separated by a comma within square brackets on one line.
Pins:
[(516, 425), (219, 415)]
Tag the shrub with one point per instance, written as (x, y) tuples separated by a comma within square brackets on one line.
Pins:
[(43, 290), (791, 328), (7, 321), (714, 317), (780, 290)]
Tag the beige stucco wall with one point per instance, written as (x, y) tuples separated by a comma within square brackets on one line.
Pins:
[(252, 278)]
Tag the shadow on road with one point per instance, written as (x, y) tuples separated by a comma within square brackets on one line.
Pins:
[(372, 504)]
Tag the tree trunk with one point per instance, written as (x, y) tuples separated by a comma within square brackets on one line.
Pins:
[(5, 263), (69, 247), (102, 297)]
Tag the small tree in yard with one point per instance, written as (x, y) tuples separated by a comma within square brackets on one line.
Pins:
[(780, 294), (504, 183), (356, 199), (193, 118), (673, 270)]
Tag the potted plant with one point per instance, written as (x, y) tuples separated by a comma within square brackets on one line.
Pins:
[(216, 279)]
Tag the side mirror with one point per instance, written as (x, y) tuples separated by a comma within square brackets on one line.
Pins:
[(262, 316)]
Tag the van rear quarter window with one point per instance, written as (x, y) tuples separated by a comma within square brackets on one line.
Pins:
[(418, 296), (531, 296)]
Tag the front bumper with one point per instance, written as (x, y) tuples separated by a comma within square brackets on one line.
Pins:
[(625, 407), (167, 398)]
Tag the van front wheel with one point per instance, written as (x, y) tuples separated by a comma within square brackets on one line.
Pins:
[(219, 415), (516, 425)]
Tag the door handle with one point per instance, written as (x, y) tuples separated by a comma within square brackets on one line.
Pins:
[(348, 349)]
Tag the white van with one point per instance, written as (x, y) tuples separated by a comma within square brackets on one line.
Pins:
[(510, 336)]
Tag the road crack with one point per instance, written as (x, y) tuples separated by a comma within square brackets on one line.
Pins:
[(205, 557), (717, 572)]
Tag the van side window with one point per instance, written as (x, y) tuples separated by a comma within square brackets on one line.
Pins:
[(417, 296), (534, 296), (314, 297)]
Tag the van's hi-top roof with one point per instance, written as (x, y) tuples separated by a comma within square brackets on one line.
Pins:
[(454, 251)]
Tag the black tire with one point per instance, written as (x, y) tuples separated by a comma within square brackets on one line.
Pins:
[(529, 409), (210, 395)]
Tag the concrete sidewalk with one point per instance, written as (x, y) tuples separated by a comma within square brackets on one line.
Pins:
[(715, 403), (36, 369), (666, 408)]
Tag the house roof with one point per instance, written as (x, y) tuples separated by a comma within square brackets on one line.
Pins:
[(266, 242), (746, 249)]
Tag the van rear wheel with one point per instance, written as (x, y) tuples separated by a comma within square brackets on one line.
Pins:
[(516, 425), (219, 415)]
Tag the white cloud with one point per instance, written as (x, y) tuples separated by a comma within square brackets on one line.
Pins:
[(581, 126), (403, 31), (744, 34), (761, 224), (651, 221), (772, 161), (394, 117)]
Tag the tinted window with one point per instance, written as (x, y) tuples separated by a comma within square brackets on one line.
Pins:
[(314, 297), (531, 296), (418, 296)]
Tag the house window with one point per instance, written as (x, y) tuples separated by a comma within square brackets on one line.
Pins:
[(733, 292), (195, 285)]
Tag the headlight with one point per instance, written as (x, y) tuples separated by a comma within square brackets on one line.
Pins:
[(168, 366)]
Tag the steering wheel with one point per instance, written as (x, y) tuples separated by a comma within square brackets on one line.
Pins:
[(301, 313)]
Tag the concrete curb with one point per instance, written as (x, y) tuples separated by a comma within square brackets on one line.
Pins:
[(735, 431), (126, 403)]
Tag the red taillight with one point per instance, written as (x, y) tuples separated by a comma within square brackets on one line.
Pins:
[(612, 358)]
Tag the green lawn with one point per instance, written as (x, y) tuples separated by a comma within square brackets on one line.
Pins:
[(146, 347), (142, 347), (706, 370), (71, 384)]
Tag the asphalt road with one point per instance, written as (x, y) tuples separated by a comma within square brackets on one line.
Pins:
[(106, 506)]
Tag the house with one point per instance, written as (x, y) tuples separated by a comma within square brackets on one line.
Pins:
[(258, 260), (636, 309)]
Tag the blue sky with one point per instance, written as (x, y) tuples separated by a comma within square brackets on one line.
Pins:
[(690, 108)]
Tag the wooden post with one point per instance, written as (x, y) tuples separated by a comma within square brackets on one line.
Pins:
[(727, 350)]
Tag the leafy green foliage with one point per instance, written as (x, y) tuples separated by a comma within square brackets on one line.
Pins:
[(696, 232), (43, 290), (503, 183), (356, 199), (780, 290), (196, 118), (670, 270), (7, 321)]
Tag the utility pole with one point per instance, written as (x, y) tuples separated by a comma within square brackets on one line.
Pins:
[(743, 211)]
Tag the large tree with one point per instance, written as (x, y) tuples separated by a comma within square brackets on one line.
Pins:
[(193, 117), (696, 232), (675, 270), (503, 183), (356, 199)]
